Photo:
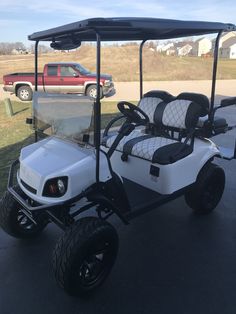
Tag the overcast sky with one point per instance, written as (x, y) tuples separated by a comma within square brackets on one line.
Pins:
[(19, 18)]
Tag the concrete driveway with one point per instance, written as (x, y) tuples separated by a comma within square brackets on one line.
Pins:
[(130, 90), (170, 261)]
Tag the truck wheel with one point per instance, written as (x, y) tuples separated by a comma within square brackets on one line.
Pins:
[(205, 194), (24, 93), (84, 256), (14, 222), (92, 92)]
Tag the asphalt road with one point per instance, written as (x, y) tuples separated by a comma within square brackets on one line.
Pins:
[(170, 261)]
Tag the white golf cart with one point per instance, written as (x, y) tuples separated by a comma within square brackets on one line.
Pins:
[(161, 150)]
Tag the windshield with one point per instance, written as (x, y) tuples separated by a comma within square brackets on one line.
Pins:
[(66, 116), (81, 69)]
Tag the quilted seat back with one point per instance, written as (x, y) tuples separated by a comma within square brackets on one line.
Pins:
[(178, 114), (151, 101)]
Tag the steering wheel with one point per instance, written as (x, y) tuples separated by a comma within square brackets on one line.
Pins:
[(133, 113)]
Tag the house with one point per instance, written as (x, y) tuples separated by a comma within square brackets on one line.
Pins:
[(184, 50), (226, 39), (171, 51), (159, 48), (228, 52), (229, 42), (19, 51), (164, 47), (201, 46), (228, 46)]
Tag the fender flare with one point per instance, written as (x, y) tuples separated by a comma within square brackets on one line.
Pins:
[(88, 83), (22, 83), (206, 160)]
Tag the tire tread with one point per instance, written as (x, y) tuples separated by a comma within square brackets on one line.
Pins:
[(67, 246), (193, 195)]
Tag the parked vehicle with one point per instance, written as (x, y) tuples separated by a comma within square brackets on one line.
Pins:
[(160, 152), (63, 77)]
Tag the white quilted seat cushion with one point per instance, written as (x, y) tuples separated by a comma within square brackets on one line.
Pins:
[(144, 149), (125, 139)]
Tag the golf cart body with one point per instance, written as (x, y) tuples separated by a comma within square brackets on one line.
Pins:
[(161, 175), (162, 148), (66, 121)]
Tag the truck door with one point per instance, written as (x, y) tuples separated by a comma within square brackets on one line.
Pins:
[(71, 81), (51, 79)]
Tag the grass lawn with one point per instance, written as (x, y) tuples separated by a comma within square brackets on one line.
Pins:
[(122, 62), (14, 133)]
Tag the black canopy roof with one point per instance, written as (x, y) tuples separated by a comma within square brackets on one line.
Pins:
[(121, 29)]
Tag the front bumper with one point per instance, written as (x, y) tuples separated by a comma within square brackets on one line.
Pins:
[(109, 91), (8, 88)]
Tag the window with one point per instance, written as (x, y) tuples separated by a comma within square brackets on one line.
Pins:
[(52, 70), (65, 116), (81, 69), (68, 71)]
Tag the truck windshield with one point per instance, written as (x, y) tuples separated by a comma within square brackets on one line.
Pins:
[(66, 116), (81, 69)]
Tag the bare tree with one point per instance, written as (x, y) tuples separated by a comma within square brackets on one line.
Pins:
[(7, 48), (41, 49)]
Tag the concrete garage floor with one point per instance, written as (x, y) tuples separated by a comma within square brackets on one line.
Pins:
[(170, 261)]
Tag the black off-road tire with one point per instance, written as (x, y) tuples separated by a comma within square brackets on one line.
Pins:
[(206, 193), (91, 91), (25, 93), (75, 251), (16, 223)]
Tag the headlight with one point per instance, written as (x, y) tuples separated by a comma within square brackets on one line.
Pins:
[(61, 186), (55, 187), (107, 82)]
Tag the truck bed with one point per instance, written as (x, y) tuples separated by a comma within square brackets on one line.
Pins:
[(23, 74)]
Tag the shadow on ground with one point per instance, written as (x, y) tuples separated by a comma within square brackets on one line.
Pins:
[(19, 111)]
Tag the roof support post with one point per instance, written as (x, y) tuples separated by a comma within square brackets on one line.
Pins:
[(36, 65), (213, 87), (36, 78), (141, 67), (97, 109)]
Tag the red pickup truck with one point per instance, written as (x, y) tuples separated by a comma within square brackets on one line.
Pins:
[(63, 77)]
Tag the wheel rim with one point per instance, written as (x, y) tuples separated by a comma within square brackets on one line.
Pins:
[(94, 265), (93, 93), (24, 94), (24, 223)]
